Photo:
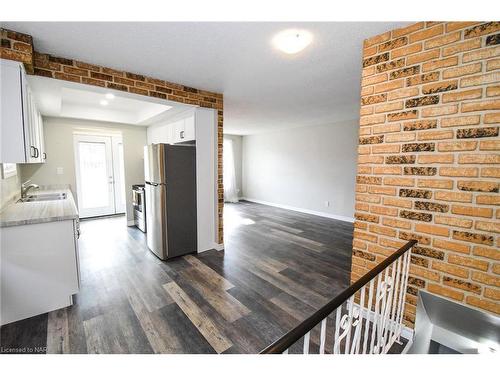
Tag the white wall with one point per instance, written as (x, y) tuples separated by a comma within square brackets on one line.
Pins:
[(238, 166), (58, 134), (303, 167)]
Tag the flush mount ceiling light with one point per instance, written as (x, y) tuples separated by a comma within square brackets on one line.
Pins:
[(109, 96), (103, 102), (292, 41)]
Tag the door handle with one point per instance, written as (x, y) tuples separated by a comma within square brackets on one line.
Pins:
[(182, 134), (32, 151), (37, 153), (44, 156)]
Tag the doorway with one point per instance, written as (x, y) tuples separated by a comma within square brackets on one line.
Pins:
[(99, 171)]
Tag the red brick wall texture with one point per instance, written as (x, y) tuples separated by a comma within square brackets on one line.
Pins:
[(429, 161), (19, 47)]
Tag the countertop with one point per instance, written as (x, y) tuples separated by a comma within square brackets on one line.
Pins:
[(40, 212)]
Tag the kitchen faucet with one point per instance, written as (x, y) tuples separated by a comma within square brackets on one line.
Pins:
[(25, 188)]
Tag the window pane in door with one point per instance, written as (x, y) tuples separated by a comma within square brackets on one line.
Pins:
[(94, 176)]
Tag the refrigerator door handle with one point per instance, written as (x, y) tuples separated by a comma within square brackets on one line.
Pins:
[(152, 183)]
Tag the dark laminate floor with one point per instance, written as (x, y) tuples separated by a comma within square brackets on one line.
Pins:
[(278, 267)]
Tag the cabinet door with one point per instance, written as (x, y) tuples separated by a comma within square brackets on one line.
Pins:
[(189, 129), (171, 133), (152, 135), (41, 139), (180, 131), (21, 123), (39, 269), (31, 136), (37, 131), (12, 119), (35, 152), (164, 134)]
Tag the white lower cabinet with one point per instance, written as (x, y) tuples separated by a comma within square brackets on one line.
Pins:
[(39, 268)]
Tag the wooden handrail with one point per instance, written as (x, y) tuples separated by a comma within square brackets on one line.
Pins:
[(290, 338)]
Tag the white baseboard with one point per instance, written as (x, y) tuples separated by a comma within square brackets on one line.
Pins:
[(130, 223), (215, 246), (303, 210), (218, 246)]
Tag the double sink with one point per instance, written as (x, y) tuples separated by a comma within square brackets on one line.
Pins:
[(43, 197)]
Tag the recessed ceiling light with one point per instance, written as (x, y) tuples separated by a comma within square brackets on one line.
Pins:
[(109, 96), (103, 102), (292, 40)]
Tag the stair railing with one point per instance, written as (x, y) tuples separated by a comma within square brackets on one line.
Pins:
[(366, 318)]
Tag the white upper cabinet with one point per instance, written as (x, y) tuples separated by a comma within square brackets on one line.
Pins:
[(173, 132), (189, 132), (21, 123), (184, 130), (179, 131)]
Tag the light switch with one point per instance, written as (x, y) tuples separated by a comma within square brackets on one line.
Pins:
[(59, 170)]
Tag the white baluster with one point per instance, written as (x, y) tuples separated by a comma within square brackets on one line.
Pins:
[(401, 293), (350, 303), (306, 342), (368, 314), (395, 301), (360, 325), (357, 337), (347, 322), (337, 330), (383, 296), (388, 308), (375, 315), (322, 338), (407, 271)]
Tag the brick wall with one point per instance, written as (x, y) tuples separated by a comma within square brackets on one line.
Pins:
[(428, 165), (19, 47)]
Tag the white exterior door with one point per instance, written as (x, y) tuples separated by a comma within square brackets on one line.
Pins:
[(94, 175), (95, 179)]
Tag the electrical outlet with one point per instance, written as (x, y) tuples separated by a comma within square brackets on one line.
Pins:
[(327, 203), (59, 170)]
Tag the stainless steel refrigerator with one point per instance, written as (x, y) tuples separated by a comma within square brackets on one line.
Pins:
[(170, 174)]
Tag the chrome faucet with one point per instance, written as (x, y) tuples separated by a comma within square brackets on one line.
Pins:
[(25, 188)]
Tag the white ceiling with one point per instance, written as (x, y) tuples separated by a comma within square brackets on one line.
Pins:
[(263, 88), (58, 98)]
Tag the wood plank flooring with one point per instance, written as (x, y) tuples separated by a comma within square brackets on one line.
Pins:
[(277, 268)]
